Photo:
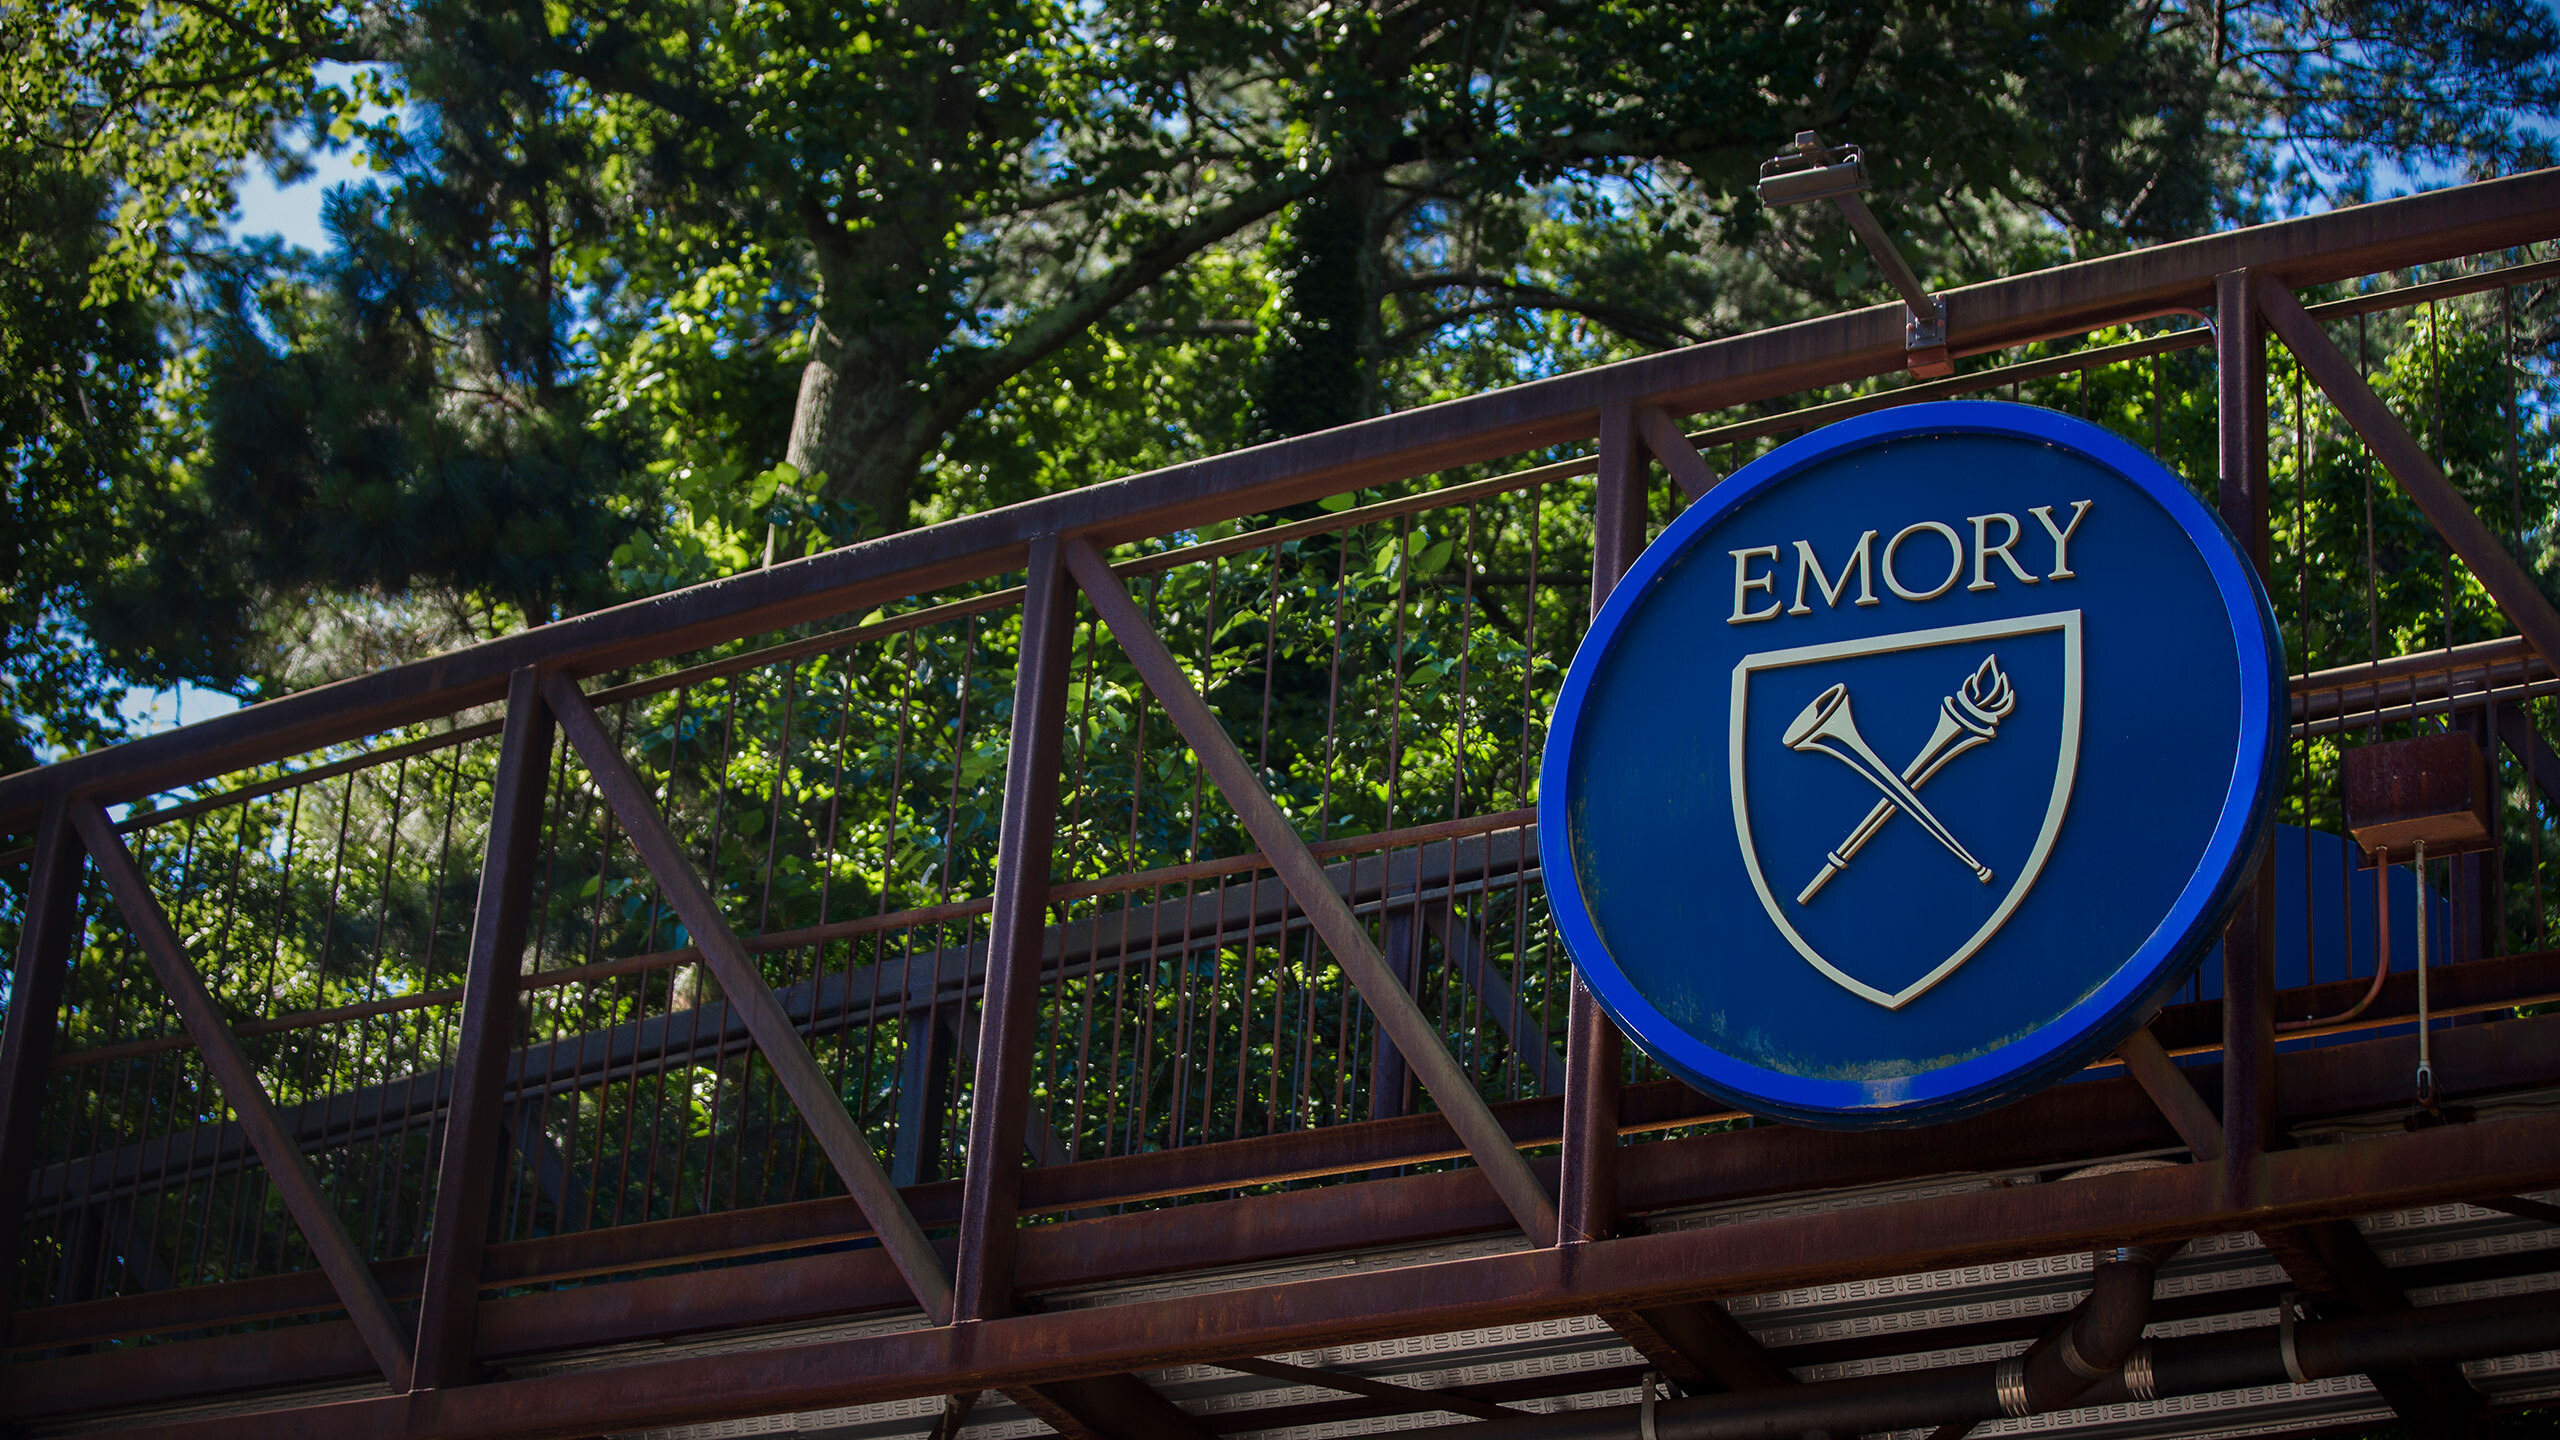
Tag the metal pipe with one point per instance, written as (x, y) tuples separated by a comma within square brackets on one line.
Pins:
[(2381, 952), (2100, 1333), (2159, 1369)]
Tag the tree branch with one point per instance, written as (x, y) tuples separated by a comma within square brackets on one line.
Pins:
[(1627, 320), (971, 377)]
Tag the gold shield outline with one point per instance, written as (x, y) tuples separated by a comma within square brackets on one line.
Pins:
[(2066, 768)]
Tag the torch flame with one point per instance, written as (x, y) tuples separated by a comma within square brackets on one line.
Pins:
[(1987, 692)]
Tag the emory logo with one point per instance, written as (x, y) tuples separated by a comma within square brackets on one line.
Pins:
[(1913, 766), (1968, 698), (1987, 833)]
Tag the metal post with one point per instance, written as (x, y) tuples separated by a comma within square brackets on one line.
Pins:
[(52, 926), (466, 1175), (2248, 942), (924, 1092), (1595, 1053), (1000, 1100), (1388, 1078)]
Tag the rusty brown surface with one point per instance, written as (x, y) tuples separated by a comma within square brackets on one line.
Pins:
[(2300, 1186), (2061, 1127)]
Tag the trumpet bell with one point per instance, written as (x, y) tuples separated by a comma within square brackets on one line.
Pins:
[(1819, 718)]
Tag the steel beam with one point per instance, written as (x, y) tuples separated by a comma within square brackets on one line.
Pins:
[(1524, 1027), (48, 930), (1594, 1050), (331, 1246), (2515, 727), (1407, 1399), (466, 1175), (1299, 870), (2248, 940), (2339, 1271), (1700, 1345), (925, 1066), (1000, 1098), (1750, 1257), (1106, 1407), (2179, 1103), (742, 982), (2062, 1129), (1400, 946)]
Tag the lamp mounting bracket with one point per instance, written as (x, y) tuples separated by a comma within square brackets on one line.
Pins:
[(1810, 170)]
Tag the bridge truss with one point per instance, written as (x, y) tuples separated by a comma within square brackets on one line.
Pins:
[(1082, 967)]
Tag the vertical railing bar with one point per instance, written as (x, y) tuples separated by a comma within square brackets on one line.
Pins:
[(826, 912), (764, 922), (1075, 828), (896, 793), (284, 885), (532, 1122), (375, 1179), (195, 1087), (1458, 771), (950, 1059), (630, 1119), (720, 788), (337, 884), (49, 928)]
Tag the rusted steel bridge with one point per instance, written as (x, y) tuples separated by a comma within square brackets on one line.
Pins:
[(1083, 966)]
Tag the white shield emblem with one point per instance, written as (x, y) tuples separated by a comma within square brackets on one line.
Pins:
[(1895, 797)]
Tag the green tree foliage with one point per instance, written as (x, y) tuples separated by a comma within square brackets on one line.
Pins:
[(75, 416), (645, 295)]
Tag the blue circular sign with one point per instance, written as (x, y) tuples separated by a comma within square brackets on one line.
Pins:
[(1913, 767)]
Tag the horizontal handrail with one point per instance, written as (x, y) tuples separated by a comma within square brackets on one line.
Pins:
[(1997, 314)]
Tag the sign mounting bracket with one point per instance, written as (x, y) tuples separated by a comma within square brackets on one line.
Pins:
[(1810, 170)]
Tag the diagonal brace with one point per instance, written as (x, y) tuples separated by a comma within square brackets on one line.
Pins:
[(846, 1147), (1304, 877), (1408, 1399), (1661, 435), (2160, 1078), (2507, 582), (1527, 1035), (2515, 727), (340, 1260)]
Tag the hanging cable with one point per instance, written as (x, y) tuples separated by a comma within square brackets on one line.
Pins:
[(2426, 1070)]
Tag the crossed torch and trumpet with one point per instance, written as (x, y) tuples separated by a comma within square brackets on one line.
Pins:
[(1967, 718)]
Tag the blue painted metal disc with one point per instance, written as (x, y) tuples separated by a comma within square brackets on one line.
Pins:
[(1914, 767)]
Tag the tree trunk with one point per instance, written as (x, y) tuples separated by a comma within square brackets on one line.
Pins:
[(1319, 366), (856, 426)]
